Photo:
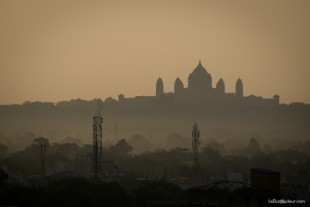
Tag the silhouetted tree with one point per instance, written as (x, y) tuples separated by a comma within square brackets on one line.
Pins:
[(3, 176), (220, 147), (176, 140), (3, 150), (121, 148), (39, 141), (139, 143), (253, 145)]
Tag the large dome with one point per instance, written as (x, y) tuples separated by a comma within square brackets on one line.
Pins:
[(200, 78), (199, 70)]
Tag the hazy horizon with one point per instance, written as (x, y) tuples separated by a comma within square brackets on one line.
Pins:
[(62, 50)]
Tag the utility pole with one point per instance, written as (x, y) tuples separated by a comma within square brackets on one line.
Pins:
[(43, 156), (41, 143), (195, 147)]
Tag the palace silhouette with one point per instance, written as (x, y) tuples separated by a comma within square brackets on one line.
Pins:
[(200, 92)]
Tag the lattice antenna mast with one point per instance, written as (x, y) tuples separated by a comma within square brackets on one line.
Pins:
[(97, 142), (195, 147)]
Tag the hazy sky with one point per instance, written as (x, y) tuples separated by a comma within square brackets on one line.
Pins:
[(62, 50)]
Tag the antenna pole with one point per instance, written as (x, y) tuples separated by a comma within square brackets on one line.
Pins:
[(195, 147)]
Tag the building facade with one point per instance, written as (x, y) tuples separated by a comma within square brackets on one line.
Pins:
[(200, 91)]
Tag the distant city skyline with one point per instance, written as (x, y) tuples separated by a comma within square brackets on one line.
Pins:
[(200, 91), (53, 51)]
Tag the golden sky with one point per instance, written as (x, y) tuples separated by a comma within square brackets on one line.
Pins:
[(62, 50)]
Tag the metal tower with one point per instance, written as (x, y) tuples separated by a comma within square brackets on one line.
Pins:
[(195, 147), (97, 143)]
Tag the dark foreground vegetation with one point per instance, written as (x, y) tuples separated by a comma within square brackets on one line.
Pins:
[(147, 179), (86, 192)]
